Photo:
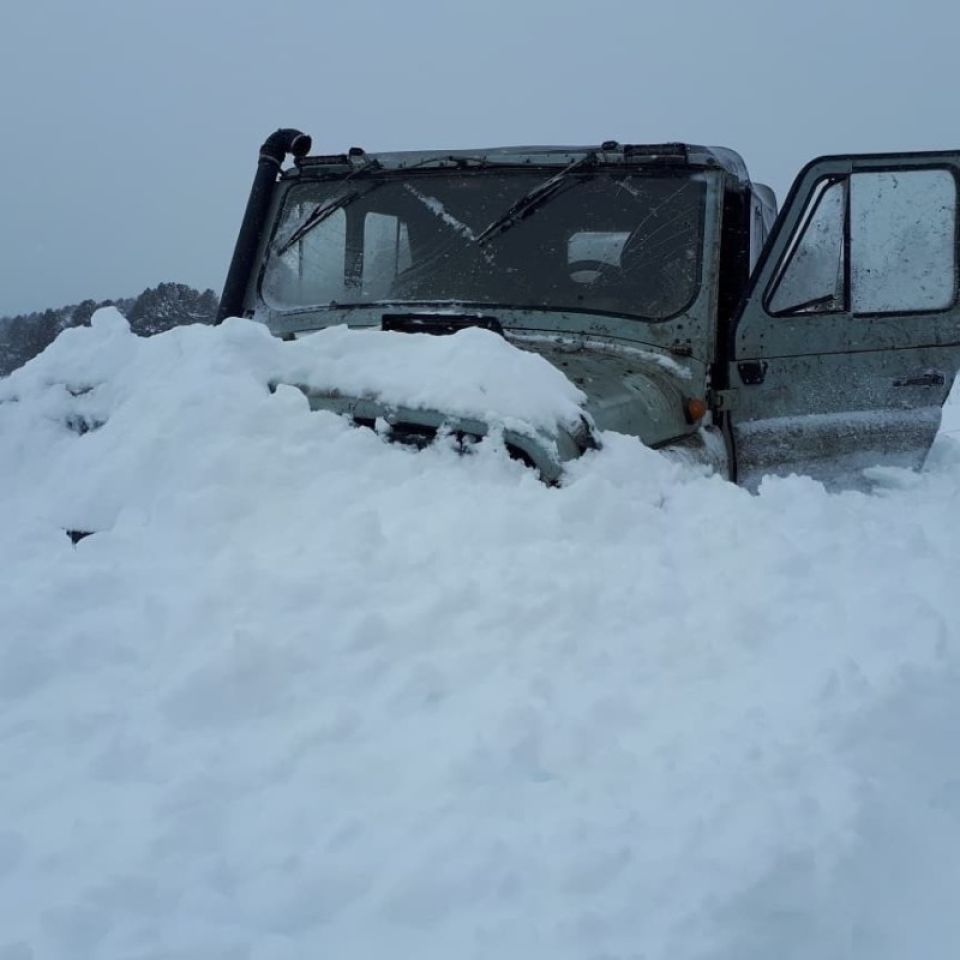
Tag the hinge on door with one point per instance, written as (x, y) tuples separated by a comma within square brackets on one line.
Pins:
[(722, 401)]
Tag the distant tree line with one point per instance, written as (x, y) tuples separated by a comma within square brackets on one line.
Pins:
[(153, 311)]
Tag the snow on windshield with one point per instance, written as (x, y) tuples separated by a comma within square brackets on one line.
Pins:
[(307, 694)]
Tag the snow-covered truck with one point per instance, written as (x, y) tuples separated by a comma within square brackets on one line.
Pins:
[(658, 277)]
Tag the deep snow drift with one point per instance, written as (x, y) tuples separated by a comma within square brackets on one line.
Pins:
[(306, 694)]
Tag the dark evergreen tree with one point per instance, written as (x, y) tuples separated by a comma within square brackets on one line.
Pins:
[(153, 311), (170, 305)]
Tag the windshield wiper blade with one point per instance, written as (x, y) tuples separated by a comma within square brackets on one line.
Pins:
[(535, 198), (322, 211), (317, 216)]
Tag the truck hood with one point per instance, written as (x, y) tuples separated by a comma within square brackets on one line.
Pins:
[(545, 450), (414, 386), (629, 389)]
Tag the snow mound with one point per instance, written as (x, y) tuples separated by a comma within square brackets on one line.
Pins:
[(472, 373), (307, 694)]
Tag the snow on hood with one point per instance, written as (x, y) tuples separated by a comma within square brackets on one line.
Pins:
[(472, 373), (307, 694)]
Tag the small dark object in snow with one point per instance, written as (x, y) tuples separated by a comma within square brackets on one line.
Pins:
[(81, 425)]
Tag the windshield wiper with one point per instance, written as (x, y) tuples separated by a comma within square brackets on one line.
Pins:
[(535, 198), (324, 210)]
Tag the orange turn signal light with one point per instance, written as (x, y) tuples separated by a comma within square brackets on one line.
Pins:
[(695, 408)]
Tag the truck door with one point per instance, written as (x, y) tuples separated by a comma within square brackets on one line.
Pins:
[(848, 340)]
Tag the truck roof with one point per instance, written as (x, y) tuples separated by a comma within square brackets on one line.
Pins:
[(611, 152)]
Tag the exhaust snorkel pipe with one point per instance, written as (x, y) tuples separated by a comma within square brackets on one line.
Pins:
[(272, 154)]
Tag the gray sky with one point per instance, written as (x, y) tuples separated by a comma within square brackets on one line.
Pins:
[(130, 127)]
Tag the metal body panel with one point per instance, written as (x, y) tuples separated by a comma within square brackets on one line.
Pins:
[(631, 390), (546, 452), (828, 394), (831, 415), (637, 392), (688, 155)]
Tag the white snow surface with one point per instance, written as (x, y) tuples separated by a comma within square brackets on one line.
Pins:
[(473, 373), (307, 694)]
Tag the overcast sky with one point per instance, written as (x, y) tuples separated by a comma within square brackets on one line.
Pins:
[(130, 129)]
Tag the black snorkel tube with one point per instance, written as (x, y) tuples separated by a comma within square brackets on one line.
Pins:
[(272, 154)]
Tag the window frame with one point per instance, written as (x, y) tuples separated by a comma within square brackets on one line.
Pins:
[(817, 195), (805, 219)]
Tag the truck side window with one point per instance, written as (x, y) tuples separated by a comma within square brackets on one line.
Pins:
[(812, 279), (903, 249), (897, 229)]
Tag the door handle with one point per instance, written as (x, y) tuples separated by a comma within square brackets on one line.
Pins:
[(932, 378)]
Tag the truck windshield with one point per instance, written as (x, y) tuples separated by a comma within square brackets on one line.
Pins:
[(606, 241)]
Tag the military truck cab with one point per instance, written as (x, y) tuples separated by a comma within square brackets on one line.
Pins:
[(657, 277)]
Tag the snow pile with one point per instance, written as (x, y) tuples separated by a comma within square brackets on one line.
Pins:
[(307, 694), (473, 373), (950, 425)]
